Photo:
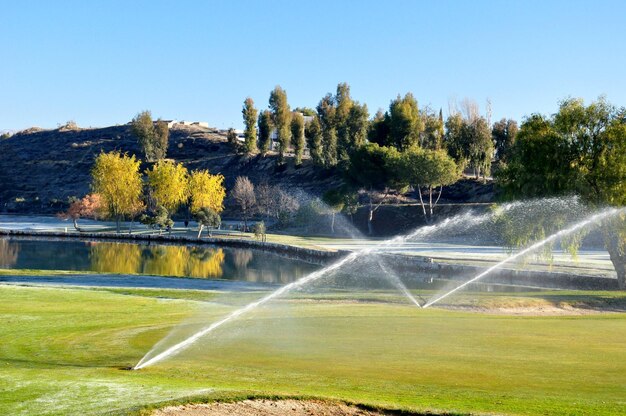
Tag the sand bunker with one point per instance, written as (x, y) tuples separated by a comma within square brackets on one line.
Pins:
[(268, 408)]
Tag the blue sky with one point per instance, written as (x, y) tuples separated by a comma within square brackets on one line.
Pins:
[(100, 62)]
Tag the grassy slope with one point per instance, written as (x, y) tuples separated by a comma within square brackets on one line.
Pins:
[(58, 358)]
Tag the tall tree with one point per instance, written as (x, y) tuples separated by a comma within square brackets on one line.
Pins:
[(326, 111), (503, 134), (313, 133), (265, 131), (582, 150), (432, 135), (297, 134), (357, 125), (281, 118), (405, 123), (249, 119), (153, 137), (455, 140), (243, 194), (115, 176), (343, 105), (480, 145)]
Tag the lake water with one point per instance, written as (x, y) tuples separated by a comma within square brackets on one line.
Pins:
[(206, 262)]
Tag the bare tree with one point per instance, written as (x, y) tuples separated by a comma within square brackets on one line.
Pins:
[(243, 194), (264, 199), (470, 109)]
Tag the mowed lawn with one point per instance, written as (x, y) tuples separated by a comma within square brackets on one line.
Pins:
[(62, 351)]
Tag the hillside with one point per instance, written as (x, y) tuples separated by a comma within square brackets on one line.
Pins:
[(40, 169)]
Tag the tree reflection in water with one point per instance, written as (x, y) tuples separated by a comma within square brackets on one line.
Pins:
[(157, 260), (8, 253)]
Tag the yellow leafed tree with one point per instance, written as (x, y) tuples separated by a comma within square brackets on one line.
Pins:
[(206, 191), (169, 184), (116, 177)]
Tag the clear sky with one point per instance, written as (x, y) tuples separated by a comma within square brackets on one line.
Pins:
[(101, 62)]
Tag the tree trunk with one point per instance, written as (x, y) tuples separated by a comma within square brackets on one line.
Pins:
[(75, 220), (117, 224), (419, 193), (430, 202), (200, 231), (130, 227), (617, 255), (332, 223)]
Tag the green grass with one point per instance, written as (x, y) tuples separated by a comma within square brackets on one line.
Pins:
[(62, 350)]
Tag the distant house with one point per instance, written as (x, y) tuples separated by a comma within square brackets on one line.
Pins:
[(172, 123)]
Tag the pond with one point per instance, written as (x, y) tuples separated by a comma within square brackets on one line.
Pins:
[(204, 261), (127, 264)]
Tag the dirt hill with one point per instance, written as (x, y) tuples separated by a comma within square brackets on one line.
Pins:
[(40, 169)]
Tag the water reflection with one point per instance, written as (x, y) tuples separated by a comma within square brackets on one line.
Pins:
[(154, 259), (8, 254)]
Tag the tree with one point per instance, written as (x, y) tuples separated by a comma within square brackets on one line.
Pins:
[(580, 150), (428, 169), (168, 183), (264, 194), (334, 199), (375, 168), (265, 131), (116, 177), (326, 114), (357, 126), (313, 133), (503, 134), (432, 135), (249, 119), (259, 231), (233, 140), (153, 137), (243, 194), (297, 133), (480, 145), (454, 139), (281, 118), (378, 131), (206, 217), (405, 123), (206, 191), (87, 207), (158, 218), (343, 104)]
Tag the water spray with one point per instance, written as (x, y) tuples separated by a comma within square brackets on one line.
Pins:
[(466, 220), (594, 218)]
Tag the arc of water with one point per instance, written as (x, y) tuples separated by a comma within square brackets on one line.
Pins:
[(594, 218), (397, 282), (466, 219)]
